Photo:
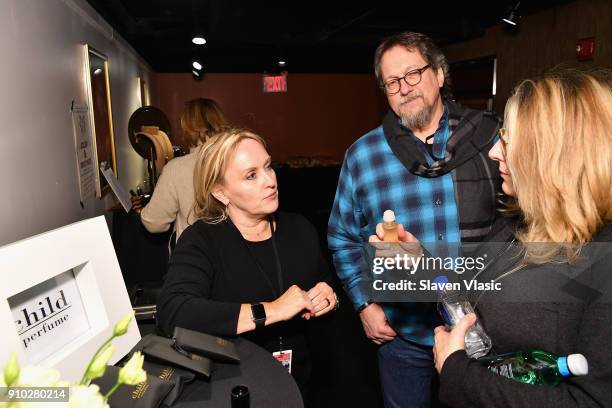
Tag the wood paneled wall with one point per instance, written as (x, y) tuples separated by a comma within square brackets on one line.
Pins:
[(544, 40)]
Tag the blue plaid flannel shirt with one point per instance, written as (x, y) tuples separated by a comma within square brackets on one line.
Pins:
[(373, 180)]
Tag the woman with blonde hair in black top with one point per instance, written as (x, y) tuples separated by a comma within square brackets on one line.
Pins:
[(245, 268)]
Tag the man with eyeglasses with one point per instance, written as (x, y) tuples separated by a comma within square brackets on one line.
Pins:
[(428, 163)]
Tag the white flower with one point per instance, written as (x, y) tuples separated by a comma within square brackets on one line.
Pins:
[(121, 327), (31, 376), (82, 396), (98, 366), (11, 371), (36, 376), (132, 373), (37, 404)]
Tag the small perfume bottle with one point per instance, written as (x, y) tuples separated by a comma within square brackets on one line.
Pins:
[(389, 227)]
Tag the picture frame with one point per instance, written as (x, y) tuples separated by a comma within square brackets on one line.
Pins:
[(101, 114), (59, 306), (143, 92)]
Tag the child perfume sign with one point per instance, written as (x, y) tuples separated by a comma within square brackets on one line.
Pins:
[(48, 316)]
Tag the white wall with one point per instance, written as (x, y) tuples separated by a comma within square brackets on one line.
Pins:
[(41, 72)]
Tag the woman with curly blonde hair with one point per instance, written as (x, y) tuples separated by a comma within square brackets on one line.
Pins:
[(555, 159), (562, 163)]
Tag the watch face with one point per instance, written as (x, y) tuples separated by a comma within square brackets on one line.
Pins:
[(259, 313)]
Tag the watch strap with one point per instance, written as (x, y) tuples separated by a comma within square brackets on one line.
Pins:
[(258, 315), (364, 305)]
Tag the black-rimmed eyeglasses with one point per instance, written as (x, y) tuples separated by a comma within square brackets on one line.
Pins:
[(412, 78)]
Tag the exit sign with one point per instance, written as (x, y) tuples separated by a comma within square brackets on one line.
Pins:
[(274, 83)]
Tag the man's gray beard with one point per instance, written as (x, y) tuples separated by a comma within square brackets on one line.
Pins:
[(418, 120)]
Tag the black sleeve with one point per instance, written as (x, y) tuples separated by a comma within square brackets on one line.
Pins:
[(464, 382), (185, 298), (324, 273), (309, 232)]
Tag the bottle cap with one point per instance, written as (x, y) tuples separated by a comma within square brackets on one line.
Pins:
[(440, 280), (388, 216), (240, 397), (577, 364)]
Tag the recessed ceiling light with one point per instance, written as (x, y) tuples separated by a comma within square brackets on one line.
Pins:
[(197, 65), (511, 22), (199, 40), (513, 16), (282, 63)]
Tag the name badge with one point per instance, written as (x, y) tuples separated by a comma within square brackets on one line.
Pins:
[(284, 357)]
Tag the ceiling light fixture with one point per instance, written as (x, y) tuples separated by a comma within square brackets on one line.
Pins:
[(197, 75), (513, 16), (282, 63), (196, 65), (198, 40)]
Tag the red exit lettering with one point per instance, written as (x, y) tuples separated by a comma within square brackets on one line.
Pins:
[(276, 83)]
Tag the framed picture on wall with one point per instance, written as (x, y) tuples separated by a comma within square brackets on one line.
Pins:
[(143, 92), (101, 115)]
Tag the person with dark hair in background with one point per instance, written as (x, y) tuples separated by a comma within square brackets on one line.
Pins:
[(428, 163), (555, 159), (173, 197)]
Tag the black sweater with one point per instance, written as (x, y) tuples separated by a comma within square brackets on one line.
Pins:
[(573, 319), (212, 272)]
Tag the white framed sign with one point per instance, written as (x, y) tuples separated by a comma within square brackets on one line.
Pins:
[(83, 144), (62, 292), (49, 315)]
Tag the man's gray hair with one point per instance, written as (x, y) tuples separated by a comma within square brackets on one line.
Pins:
[(428, 49)]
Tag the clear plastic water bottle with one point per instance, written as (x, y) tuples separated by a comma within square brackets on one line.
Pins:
[(452, 307), (536, 366)]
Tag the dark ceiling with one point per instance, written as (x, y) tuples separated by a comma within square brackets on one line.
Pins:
[(315, 36)]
